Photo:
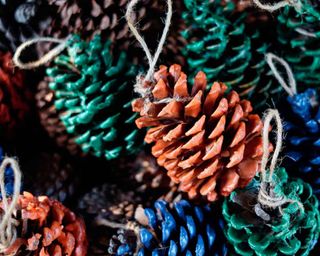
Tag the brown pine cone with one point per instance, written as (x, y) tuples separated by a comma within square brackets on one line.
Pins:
[(15, 97), (209, 142), (47, 228), (57, 174), (49, 118)]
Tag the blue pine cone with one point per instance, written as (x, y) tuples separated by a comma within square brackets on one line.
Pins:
[(183, 229), (93, 93), (301, 115)]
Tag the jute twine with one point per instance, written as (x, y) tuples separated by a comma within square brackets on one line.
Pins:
[(276, 6), (152, 60), (291, 89), (49, 56), (8, 232), (266, 195)]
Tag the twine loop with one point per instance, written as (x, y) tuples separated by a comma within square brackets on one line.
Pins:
[(152, 60), (276, 6), (291, 89), (266, 196), (8, 232), (49, 56)]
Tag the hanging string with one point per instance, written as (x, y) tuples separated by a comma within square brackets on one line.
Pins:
[(291, 89), (49, 56), (266, 195), (276, 6), (8, 232), (151, 59)]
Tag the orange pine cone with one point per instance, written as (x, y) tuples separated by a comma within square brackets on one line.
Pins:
[(47, 228), (209, 142)]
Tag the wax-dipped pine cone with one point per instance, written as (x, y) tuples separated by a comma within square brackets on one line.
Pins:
[(50, 119), (14, 97), (209, 142), (47, 228)]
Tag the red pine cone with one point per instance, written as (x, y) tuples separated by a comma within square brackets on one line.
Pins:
[(47, 228), (209, 142), (13, 95)]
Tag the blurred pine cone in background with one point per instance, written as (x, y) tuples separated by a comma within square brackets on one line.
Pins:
[(50, 119), (21, 20), (15, 97), (52, 174)]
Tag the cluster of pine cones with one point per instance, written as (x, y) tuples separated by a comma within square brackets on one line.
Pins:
[(109, 169)]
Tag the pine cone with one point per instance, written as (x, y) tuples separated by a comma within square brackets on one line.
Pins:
[(47, 228), (57, 175), (15, 97), (49, 118), (226, 48), (209, 142), (95, 106), (21, 20), (183, 229), (298, 34), (291, 230), (301, 114), (106, 202)]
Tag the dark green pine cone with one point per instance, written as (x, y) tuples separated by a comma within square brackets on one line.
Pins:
[(93, 91), (226, 48), (298, 34), (255, 229)]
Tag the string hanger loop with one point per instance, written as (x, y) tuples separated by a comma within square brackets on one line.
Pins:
[(8, 231), (152, 60), (291, 89), (276, 6), (49, 56)]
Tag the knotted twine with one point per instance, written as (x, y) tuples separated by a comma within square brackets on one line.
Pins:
[(139, 87), (8, 232), (266, 195)]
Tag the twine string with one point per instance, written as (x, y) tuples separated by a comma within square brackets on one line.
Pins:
[(8, 232), (151, 59), (276, 6), (266, 194), (291, 89), (49, 56)]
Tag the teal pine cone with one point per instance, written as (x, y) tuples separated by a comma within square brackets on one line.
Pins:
[(254, 229), (93, 91), (298, 34), (226, 48)]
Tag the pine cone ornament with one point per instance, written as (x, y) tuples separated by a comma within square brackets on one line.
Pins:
[(209, 142), (21, 20), (47, 228), (15, 97), (50, 119), (298, 34), (226, 48), (95, 104), (301, 114), (181, 229), (57, 174), (292, 228)]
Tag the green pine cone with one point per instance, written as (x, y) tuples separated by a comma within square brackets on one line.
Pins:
[(226, 48), (254, 229), (298, 34), (93, 91)]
